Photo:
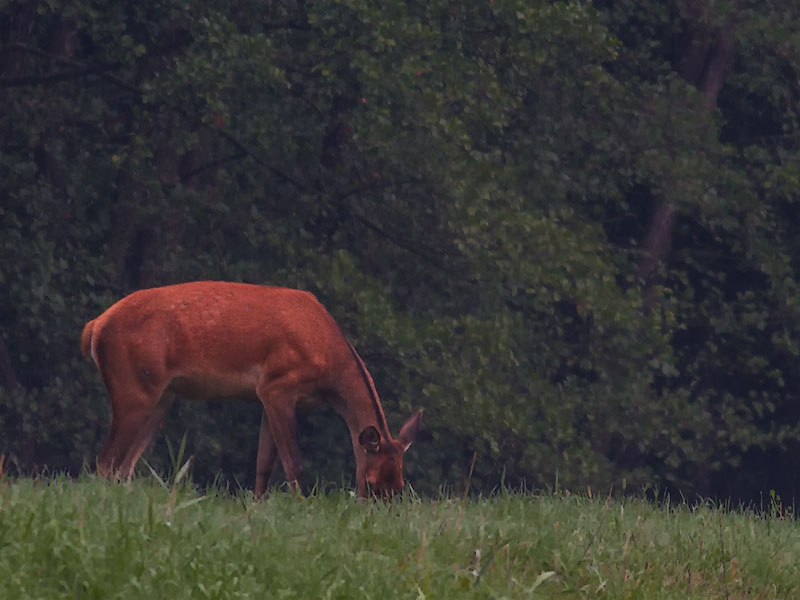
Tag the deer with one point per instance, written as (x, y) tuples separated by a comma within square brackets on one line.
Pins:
[(208, 340)]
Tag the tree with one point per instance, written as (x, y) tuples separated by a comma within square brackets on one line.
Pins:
[(556, 227)]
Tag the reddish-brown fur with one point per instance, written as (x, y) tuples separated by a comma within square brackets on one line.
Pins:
[(211, 339)]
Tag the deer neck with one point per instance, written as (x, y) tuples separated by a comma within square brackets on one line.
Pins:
[(360, 405)]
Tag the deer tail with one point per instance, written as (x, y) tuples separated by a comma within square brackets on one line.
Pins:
[(86, 338)]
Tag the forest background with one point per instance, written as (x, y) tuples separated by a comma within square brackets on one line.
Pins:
[(567, 230)]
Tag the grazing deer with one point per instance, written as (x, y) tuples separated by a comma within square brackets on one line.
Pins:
[(211, 339)]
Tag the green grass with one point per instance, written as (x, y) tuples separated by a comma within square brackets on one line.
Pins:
[(89, 538)]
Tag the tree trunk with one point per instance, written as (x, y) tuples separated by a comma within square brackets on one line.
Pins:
[(8, 376), (9, 381), (704, 62)]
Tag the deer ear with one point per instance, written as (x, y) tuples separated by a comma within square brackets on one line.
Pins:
[(370, 439), (409, 431)]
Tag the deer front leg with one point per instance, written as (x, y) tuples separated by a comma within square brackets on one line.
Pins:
[(267, 454), (278, 400)]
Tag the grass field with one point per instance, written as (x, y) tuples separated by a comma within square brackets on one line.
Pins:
[(87, 538)]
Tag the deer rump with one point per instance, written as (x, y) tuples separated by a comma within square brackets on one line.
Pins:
[(205, 340)]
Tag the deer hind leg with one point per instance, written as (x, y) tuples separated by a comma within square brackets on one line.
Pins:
[(133, 424), (108, 455), (138, 401), (144, 434), (125, 426)]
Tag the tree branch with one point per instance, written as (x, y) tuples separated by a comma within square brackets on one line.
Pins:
[(135, 90), (288, 24), (55, 77), (397, 241), (211, 165)]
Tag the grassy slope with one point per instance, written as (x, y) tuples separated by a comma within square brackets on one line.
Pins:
[(93, 539)]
